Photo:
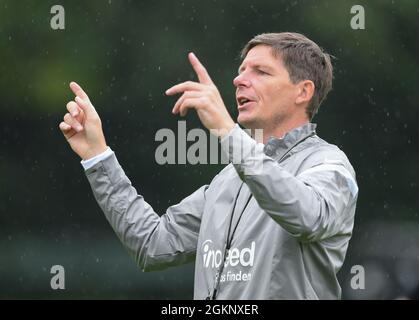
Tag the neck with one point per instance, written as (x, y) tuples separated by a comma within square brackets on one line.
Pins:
[(278, 131)]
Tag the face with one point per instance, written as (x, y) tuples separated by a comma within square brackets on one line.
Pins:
[(265, 95)]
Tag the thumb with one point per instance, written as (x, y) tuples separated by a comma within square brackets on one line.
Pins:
[(86, 106)]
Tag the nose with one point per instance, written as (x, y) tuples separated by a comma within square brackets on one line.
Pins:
[(241, 81)]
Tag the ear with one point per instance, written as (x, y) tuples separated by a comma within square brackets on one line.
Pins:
[(305, 92)]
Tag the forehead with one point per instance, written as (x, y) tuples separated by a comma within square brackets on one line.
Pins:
[(261, 55)]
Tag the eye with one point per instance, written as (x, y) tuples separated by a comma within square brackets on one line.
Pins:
[(261, 72)]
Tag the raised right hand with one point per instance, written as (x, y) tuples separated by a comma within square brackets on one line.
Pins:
[(82, 126)]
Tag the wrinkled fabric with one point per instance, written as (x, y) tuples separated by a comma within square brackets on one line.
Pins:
[(289, 241)]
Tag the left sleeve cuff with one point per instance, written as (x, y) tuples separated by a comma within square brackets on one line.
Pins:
[(87, 164)]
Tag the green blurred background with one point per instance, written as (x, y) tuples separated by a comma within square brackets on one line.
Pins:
[(126, 54)]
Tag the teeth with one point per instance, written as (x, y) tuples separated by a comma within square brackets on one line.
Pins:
[(243, 100)]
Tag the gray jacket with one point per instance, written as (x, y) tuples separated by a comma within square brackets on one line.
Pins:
[(286, 239)]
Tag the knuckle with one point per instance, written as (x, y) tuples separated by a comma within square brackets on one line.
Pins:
[(71, 106), (205, 99), (187, 94)]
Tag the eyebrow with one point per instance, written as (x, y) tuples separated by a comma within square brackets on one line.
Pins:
[(257, 66)]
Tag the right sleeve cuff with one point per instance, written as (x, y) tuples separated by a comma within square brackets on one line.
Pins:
[(87, 164)]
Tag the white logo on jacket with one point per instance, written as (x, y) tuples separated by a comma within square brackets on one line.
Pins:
[(213, 258)]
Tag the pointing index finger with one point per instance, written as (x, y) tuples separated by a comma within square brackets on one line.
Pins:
[(78, 91), (200, 70)]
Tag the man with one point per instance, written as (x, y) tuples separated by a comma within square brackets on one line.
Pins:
[(280, 232)]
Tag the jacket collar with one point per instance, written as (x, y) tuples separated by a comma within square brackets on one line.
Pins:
[(277, 147)]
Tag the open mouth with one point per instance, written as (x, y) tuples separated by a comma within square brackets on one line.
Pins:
[(243, 101)]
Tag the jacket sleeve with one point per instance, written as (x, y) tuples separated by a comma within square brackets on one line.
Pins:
[(316, 204), (155, 242)]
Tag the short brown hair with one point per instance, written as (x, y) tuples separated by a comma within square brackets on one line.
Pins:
[(303, 59)]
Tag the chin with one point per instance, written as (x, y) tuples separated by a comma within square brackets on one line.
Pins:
[(247, 122), (242, 120)]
